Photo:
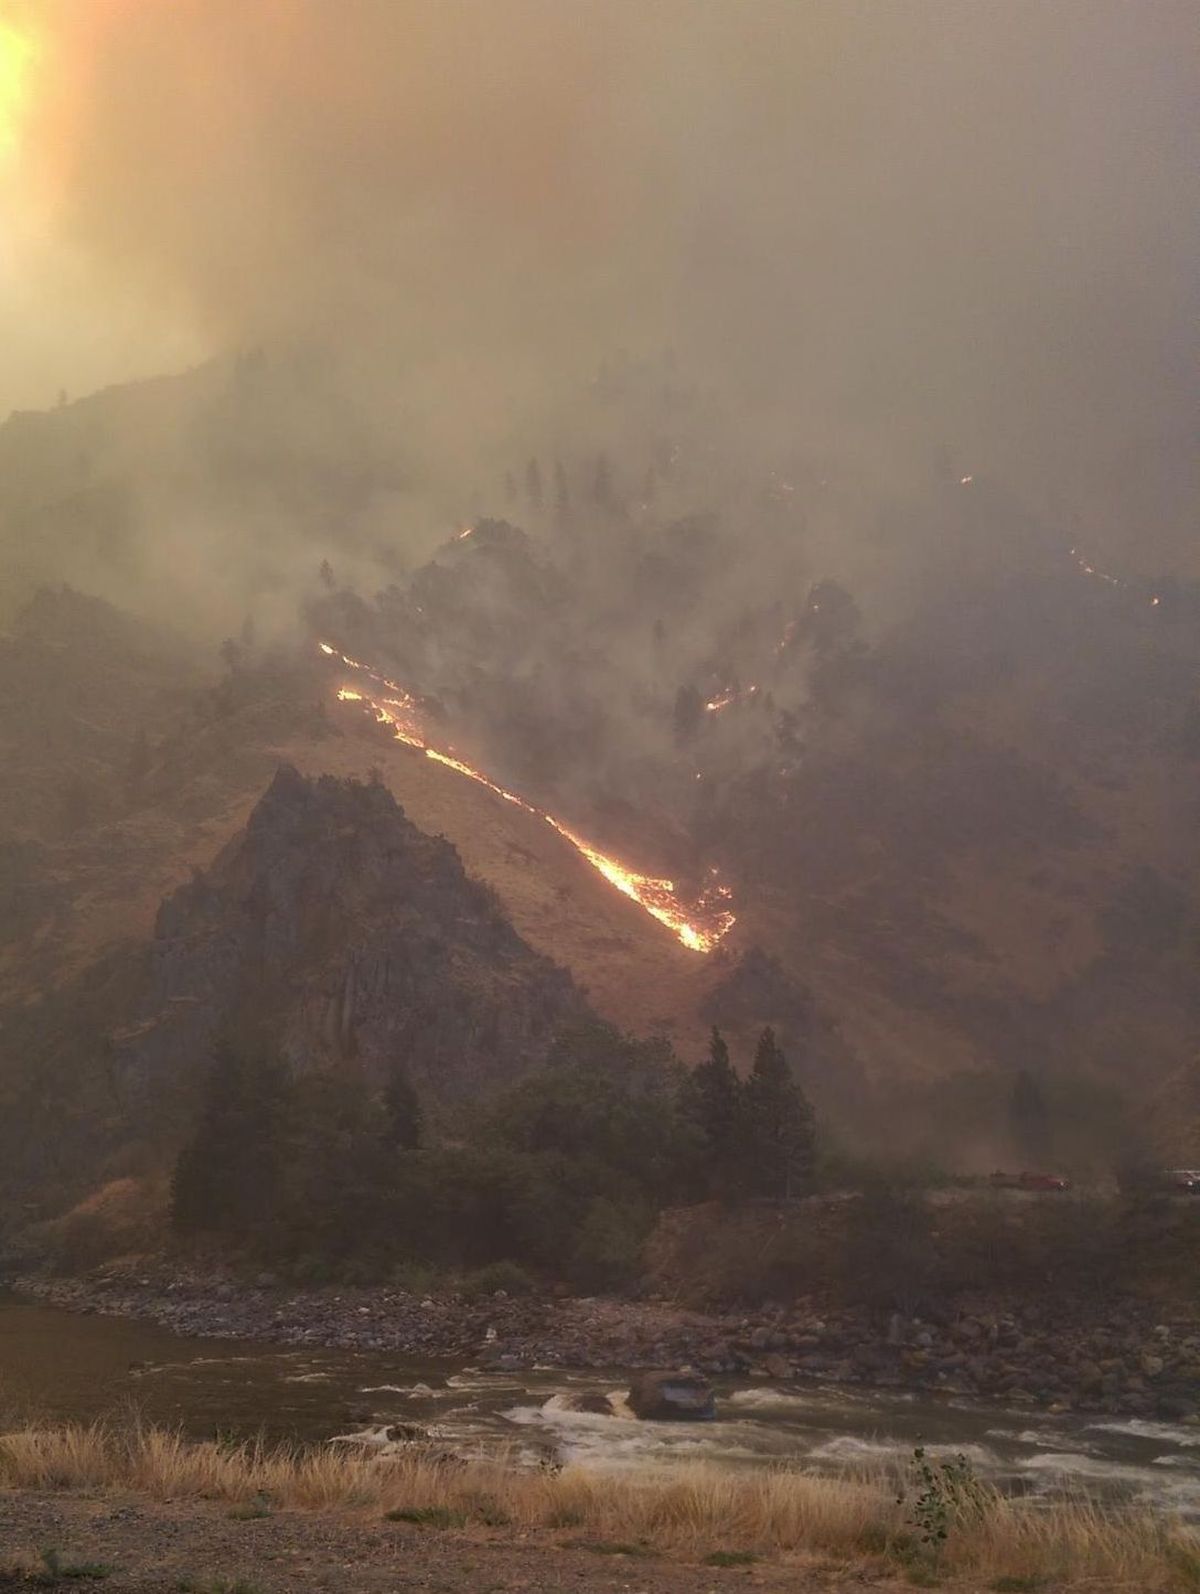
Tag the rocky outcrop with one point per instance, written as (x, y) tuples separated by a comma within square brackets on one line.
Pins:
[(672, 1397), (589, 1403), (348, 933)]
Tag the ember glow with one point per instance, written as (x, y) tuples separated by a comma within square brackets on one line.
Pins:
[(1089, 569), (699, 925), (731, 695)]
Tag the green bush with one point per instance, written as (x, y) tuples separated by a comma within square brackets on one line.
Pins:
[(942, 1495), (428, 1516), (507, 1276)]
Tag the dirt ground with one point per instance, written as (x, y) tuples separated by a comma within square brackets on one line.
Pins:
[(188, 1549)]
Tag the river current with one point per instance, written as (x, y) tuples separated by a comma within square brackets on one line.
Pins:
[(56, 1366)]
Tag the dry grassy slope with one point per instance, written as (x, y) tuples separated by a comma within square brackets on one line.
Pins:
[(113, 874), (889, 1037), (982, 929), (631, 967), (912, 956)]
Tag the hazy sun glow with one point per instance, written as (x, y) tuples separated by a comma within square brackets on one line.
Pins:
[(18, 55)]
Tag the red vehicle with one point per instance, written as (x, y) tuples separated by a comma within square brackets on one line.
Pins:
[(1184, 1181), (1030, 1181), (1044, 1181)]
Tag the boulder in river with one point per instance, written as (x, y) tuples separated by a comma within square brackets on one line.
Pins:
[(384, 1436), (672, 1397), (578, 1400)]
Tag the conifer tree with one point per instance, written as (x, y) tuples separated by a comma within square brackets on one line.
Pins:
[(139, 758), (688, 712), (533, 484), (562, 493), (602, 482), (779, 1125), (718, 1107), (225, 1177), (1028, 1117), (402, 1112)]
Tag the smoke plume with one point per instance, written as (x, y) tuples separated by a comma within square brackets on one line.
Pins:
[(879, 230)]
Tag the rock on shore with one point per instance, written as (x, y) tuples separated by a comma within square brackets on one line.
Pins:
[(1121, 1359)]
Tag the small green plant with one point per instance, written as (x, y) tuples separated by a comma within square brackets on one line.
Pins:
[(875, 1539), (565, 1516), (217, 1585), (249, 1511), (428, 1516), (731, 1558), (642, 1552), (489, 1511), (942, 1495), (507, 1276), (56, 1570), (1186, 1563)]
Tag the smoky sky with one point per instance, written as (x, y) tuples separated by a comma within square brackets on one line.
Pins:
[(877, 225)]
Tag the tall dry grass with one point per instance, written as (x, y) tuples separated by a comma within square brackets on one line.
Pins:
[(689, 1511)]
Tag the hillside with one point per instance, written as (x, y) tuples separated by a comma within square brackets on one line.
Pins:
[(336, 928), (332, 931), (948, 786)]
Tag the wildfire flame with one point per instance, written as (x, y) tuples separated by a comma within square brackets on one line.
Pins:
[(730, 695), (700, 926), (1089, 569)]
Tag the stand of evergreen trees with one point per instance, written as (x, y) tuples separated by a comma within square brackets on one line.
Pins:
[(563, 1173)]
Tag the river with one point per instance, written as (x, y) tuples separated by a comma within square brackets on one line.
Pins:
[(57, 1366)]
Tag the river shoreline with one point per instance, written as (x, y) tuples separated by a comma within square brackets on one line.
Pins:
[(1122, 1359)]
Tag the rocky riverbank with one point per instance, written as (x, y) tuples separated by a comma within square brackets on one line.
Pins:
[(1122, 1360)]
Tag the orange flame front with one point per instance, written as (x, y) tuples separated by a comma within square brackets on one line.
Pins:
[(699, 926)]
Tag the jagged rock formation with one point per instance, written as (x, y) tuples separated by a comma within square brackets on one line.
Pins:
[(340, 931)]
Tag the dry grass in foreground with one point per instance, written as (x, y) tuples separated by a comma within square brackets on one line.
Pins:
[(697, 1512)]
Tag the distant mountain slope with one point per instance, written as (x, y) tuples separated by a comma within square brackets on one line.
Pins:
[(951, 784)]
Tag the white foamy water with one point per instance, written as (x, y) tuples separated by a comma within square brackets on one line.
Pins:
[(75, 1368), (849, 1450), (413, 1391), (1068, 1470), (1172, 1433)]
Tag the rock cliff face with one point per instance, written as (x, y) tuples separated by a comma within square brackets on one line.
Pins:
[(336, 929)]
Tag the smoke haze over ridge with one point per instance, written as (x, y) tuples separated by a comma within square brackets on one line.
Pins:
[(868, 225), (879, 314)]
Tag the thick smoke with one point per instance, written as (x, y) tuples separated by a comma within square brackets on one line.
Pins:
[(876, 229)]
